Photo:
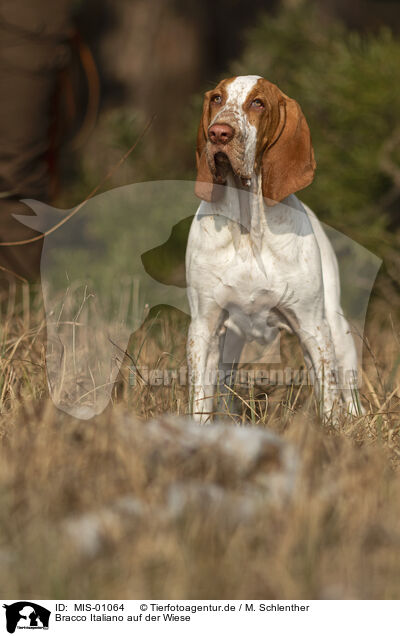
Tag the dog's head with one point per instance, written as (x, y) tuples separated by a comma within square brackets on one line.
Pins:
[(249, 126)]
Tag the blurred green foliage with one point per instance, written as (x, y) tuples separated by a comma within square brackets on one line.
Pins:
[(348, 87)]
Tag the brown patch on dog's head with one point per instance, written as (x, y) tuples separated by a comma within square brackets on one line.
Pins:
[(206, 179), (284, 149)]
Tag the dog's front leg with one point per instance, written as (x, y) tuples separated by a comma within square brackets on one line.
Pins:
[(203, 353)]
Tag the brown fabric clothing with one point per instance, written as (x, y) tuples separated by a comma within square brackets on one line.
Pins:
[(33, 48)]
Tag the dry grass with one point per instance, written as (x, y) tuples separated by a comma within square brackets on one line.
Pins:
[(338, 538)]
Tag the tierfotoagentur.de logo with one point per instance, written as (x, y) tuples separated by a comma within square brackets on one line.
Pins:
[(26, 615)]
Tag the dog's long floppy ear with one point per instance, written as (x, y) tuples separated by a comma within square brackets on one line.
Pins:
[(288, 163), (204, 182)]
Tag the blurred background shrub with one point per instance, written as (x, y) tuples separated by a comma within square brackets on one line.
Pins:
[(346, 84)]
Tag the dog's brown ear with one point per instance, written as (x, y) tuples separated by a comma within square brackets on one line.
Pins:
[(204, 181), (288, 163)]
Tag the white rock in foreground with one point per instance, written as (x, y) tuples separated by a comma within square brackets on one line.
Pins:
[(223, 472)]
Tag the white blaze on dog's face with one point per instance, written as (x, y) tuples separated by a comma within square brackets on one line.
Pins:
[(227, 109), (250, 127)]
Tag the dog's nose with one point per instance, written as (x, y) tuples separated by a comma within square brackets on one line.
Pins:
[(220, 133)]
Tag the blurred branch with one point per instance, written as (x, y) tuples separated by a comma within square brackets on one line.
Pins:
[(89, 196)]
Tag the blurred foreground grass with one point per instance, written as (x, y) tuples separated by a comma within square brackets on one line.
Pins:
[(338, 538)]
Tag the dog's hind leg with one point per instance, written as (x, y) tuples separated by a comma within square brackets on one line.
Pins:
[(230, 348)]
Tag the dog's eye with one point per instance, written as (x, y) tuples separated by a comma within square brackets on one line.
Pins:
[(257, 103), (216, 99)]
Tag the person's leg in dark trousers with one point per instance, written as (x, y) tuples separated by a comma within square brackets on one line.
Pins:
[(33, 48)]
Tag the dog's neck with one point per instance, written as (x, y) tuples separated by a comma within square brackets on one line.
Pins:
[(245, 205), (251, 221)]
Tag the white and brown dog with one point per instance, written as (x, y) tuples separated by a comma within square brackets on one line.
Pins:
[(257, 258)]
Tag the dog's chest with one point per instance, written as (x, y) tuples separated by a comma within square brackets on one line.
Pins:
[(253, 281), (250, 291), (241, 279)]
